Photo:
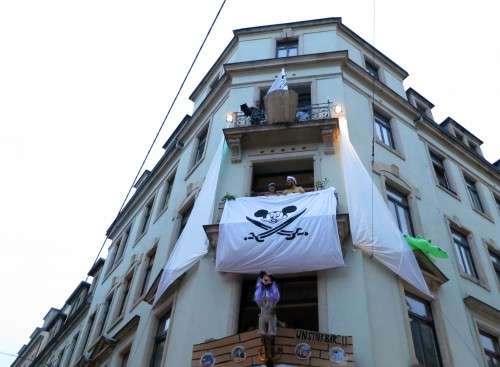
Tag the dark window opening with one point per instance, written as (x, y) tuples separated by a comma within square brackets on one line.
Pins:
[(287, 48), (264, 173), (440, 171), (495, 260), (169, 183), (303, 91), (297, 308), (159, 340), (147, 215), (184, 217), (200, 147), (149, 268), (423, 333), (474, 194), (126, 291), (491, 349), (372, 69)]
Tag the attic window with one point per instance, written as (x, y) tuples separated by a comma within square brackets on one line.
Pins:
[(287, 48), (372, 69), (459, 136)]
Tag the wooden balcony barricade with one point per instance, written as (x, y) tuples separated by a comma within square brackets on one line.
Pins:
[(293, 347)]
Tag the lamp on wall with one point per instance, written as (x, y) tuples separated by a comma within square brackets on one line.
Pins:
[(230, 117), (337, 110)]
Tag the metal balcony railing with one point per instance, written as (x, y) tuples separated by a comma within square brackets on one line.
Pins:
[(304, 114)]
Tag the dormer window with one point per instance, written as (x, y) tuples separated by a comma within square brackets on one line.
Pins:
[(459, 136), (372, 69), (287, 48)]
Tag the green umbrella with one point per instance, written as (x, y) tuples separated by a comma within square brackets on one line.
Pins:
[(425, 246)]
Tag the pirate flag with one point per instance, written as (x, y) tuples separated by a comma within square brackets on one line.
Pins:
[(282, 234)]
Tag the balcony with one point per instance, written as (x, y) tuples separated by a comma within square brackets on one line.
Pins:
[(250, 129)]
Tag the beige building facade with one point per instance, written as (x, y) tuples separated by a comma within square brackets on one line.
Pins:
[(433, 176)]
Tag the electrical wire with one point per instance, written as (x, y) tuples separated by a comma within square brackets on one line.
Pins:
[(163, 123), (372, 158)]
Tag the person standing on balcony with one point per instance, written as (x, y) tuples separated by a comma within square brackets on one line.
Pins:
[(271, 189), (292, 187), (267, 296)]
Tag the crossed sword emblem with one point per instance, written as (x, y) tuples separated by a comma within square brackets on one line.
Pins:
[(289, 235)]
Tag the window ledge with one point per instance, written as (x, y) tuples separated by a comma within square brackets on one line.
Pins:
[(476, 281), (137, 301), (161, 212), (484, 215), (192, 169), (116, 322), (391, 149), (449, 192)]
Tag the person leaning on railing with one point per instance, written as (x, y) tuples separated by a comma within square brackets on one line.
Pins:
[(292, 187)]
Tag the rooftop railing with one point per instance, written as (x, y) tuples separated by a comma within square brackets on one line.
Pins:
[(304, 114)]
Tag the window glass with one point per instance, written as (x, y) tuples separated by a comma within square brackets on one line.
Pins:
[(287, 48), (439, 170), (423, 333), (200, 148), (474, 194), (147, 215), (159, 340), (169, 183), (398, 204), (495, 259), (372, 69), (147, 274), (491, 348), (126, 291), (383, 130), (464, 254)]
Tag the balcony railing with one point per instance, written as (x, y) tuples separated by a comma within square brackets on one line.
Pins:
[(304, 114)]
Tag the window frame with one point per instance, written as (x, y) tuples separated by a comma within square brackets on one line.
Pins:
[(471, 184), (125, 296), (438, 163), (199, 155), (146, 215), (150, 259), (160, 338), (404, 203), (166, 192), (382, 120), (496, 343), (372, 68), (460, 242), (284, 45), (428, 320)]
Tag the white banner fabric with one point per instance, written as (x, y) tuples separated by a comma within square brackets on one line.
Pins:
[(374, 229), (279, 234), (193, 243)]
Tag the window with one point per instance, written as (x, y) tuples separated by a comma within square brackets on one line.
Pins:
[(200, 147), (120, 247), (297, 308), (489, 343), (473, 146), (126, 291), (464, 254), (287, 48), (105, 312), (497, 201), (184, 217), (372, 69), (90, 325), (495, 260), (169, 183), (159, 340), (439, 170), (149, 267), (124, 358), (383, 130), (474, 194), (398, 204), (277, 171), (422, 331), (147, 215), (72, 349), (459, 136)]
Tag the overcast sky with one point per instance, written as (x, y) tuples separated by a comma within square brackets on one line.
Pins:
[(85, 84)]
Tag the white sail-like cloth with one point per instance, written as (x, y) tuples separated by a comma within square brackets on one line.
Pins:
[(374, 230), (193, 243), (279, 82)]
